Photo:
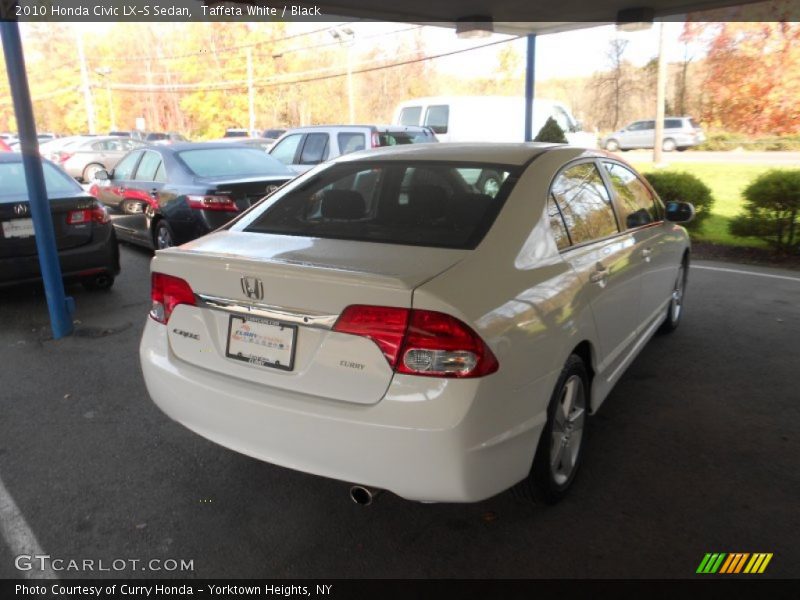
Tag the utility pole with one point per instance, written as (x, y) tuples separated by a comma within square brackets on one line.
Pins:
[(87, 90), (105, 72), (347, 36), (661, 96), (251, 97)]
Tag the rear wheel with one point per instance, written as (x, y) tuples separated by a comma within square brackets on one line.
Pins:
[(668, 145), (560, 449), (101, 281), (675, 307), (90, 171), (612, 145), (162, 236)]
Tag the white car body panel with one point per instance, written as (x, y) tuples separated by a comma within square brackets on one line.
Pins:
[(423, 438)]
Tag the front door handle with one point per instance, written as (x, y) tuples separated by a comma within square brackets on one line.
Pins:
[(599, 275), (154, 192), (646, 254)]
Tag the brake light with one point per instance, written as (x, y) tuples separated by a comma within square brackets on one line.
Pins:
[(64, 156), (98, 213), (222, 203), (376, 139), (167, 292), (420, 342)]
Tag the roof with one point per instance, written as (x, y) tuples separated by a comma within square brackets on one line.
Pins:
[(503, 154)]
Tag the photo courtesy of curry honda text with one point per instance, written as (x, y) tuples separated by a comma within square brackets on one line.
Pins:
[(381, 322)]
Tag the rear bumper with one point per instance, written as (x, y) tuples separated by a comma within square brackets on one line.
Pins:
[(452, 442), (101, 255)]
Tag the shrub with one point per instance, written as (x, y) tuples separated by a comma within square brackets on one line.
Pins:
[(674, 186), (772, 210), (551, 132)]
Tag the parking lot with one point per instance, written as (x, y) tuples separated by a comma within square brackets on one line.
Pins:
[(695, 451)]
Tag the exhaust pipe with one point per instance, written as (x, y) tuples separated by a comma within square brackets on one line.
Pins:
[(363, 495)]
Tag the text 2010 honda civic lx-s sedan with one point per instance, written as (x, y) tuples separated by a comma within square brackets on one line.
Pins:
[(380, 322)]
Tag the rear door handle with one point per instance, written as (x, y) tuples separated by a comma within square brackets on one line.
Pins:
[(599, 275)]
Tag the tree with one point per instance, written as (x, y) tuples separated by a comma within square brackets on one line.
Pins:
[(614, 84), (551, 132)]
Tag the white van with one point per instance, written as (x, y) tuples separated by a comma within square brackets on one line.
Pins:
[(488, 118)]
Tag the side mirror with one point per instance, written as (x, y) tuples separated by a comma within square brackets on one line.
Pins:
[(102, 175), (680, 212)]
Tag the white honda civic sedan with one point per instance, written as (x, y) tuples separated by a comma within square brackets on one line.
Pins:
[(381, 322)]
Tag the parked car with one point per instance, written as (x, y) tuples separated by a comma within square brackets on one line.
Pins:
[(379, 321), (680, 133), (302, 148), (167, 195), (236, 132), (272, 134), (84, 158), (87, 246), (124, 134), (162, 139), (4, 147)]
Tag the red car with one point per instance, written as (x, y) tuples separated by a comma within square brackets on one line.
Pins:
[(4, 147)]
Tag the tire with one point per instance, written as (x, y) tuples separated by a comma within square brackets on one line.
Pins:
[(668, 145), (131, 207), (101, 281), (560, 450), (612, 145), (489, 183), (90, 170), (675, 307), (163, 236)]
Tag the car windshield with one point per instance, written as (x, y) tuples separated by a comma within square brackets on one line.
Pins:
[(231, 162), (410, 203), (13, 185)]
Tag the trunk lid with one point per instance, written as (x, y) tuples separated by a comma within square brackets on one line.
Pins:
[(16, 226), (304, 284), (245, 192)]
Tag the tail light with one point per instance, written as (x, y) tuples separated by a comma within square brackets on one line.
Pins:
[(97, 213), (376, 139), (221, 203), (420, 342), (64, 156), (167, 292)]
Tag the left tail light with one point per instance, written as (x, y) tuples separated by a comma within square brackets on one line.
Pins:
[(97, 214), (221, 203), (167, 292), (64, 156)]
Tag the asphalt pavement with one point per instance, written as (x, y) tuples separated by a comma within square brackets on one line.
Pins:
[(695, 451)]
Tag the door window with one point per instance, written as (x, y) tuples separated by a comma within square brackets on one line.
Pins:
[(148, 166), (315, 149), (585, 203), (351, 142), (410, 115), (635, 202), (286, 149), (124, 168), (437, 118)]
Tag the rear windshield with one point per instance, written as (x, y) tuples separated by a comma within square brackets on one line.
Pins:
[(419, 204), (232, 162), (14, 187), (397, 138)]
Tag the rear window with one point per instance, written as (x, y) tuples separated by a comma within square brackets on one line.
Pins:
[(231, 162), (672, 124), (419, 204), (13, 184), (397, 138)]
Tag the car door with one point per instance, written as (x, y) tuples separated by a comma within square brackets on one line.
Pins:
[(315, 150), (111, 191), (642, 215), (634, 135), (141, 196), (601, 255)]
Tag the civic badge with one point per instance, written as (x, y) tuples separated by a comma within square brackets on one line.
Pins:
[(20, 210), (252, 287)]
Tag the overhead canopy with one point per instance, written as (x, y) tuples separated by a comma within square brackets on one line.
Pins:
[(515, 16)]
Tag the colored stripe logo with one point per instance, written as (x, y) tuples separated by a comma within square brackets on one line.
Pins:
[(734, 563)]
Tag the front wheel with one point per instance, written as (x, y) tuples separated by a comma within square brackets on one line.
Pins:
[(90, 171), (675, 307), (560, 449)]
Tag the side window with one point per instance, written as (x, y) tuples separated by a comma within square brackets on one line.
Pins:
[(98, 146), (351, 142), (557, 225), (437, 118), (584, 203), (672, 124), (161, 173), (147, 167), (410, 115), (124, 168), (637, 126), (636, 204), (315, 149), (649, 125), (285, 150)]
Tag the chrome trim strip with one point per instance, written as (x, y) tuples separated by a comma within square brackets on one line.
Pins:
[(316, 320)]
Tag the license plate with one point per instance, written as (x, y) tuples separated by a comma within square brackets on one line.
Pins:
[(18, 228), (261, 342)]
